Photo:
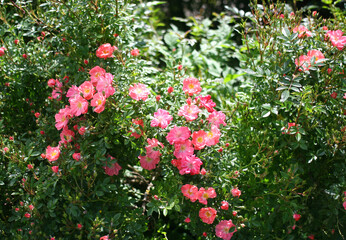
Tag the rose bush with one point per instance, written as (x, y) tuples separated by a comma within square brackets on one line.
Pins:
[(130, 138)]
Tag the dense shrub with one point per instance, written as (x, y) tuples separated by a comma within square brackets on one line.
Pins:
[(154, 156)]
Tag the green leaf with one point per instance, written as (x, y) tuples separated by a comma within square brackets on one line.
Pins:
[(281, 88), (286, 32), (230, 77), (99, 193), (284, 96), (265, 114), (295, 89), (298, 136), (266, 106), (171, 39), (165, 212)]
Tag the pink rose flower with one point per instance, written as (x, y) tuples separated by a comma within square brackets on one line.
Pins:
[(113, 170), (205, 102), (105, 51), (98, 102), (161, 119), (296, 217), (95, 74), (303, 62), (73, 91), (62, 118), (51, 83), (199, 139), (224, 205), (104, 85), (315, 53), (213, 136), (76, 156), (334, 95), (222, 230), (149, 162), (302, 31), (87, 89), (190, 191), (178, 134), (52, 153), (190, 112), (190, 165), (78, 105), (191, 86), (2, 51), (170, 89), (217, 118), (55, 169), (207, 215), (203, 195), (135, 52), (66, 135), (81, 130), (337, 38), (183, 149), (139, 91), (140, 124), (236, 192)]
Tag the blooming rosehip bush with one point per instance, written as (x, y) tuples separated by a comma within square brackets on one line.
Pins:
[(122, 146)]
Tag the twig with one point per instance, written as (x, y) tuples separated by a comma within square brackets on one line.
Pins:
[(147, 193)]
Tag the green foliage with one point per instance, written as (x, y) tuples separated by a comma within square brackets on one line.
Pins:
[(283, 145)]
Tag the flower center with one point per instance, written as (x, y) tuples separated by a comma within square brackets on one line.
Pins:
[(79, 105), (226, 230), (149, 160)]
